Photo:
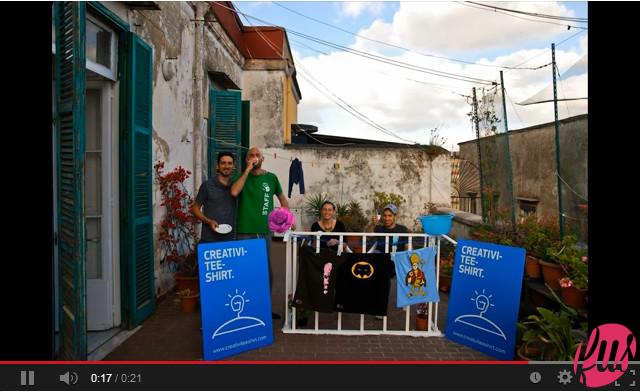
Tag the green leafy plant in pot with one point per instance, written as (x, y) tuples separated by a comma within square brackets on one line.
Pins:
[(550, 336), (447, 256), (313, 203), (355, 221)]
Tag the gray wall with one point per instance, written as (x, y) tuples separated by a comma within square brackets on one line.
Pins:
[(533, 160), (265, 90), (354, 173)]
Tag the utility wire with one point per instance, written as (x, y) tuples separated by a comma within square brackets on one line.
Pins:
[(393, 45), (370, 56), (348, 108), (357, 113), (548, 49), (519, 17), (514, 107), (443, 87), (396, 63), (556, 17)]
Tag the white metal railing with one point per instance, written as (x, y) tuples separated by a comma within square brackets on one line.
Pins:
[(291, 239)]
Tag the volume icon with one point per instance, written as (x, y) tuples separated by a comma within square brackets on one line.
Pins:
[(69, 378)]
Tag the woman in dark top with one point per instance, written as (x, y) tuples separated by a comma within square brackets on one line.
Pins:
[(328, 223)]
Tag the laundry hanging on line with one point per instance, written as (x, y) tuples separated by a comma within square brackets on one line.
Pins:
[(296, 176)]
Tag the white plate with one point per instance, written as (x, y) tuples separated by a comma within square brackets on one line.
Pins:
[(224, 228)]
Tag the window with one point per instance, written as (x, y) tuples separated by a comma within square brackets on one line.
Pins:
[(527, 205), (101, 49)]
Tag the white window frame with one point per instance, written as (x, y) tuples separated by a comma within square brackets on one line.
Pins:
[(109, 73)]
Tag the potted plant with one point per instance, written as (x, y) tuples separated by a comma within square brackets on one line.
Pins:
[(538, 238), (565, 256), (381, 199), (447, 252), (177, 232), (422, 319), (313, 204), (526, 237), (550, 336), (187, 274), (188, 300), (354, 221), (574, 286)]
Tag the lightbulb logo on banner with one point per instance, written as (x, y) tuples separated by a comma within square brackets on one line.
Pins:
[(485, 297), (236, 303)]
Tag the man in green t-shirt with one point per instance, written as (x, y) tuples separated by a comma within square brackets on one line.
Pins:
[(255, 190)]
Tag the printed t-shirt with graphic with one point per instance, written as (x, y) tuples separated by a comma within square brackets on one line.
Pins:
[(256, 202), (317, 279), (363, 283), (416, 274)]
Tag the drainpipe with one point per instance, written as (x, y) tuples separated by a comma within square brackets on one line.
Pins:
[(198, 79)]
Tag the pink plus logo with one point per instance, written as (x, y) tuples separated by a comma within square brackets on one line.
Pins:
[(613, 345)]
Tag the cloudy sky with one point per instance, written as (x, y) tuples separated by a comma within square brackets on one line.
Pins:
[(428, 56)]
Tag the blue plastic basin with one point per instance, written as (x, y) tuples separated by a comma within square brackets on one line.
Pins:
[(436, 224)]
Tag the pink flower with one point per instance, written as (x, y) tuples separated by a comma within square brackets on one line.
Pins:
[(566, 282), (281, 220), (584, 259)]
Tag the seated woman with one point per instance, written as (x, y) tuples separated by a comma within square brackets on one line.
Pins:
[(389, 225), (328, 223)]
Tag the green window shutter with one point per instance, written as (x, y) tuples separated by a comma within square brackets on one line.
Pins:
[(136, 189), (246, 133), (224, 126), (70, 117)]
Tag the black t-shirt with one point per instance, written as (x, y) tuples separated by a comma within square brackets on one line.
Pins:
[(317, 279), (363, 283), (338, 228), (381, 240)]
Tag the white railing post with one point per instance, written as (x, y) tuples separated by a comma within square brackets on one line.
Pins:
[(288, 286), (291, 276)]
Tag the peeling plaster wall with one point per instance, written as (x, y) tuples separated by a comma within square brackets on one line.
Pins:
[(171, 33), (222, 57), (533, 162), (265, 90), (363, 170)]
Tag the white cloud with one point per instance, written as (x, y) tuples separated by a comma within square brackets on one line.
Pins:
[(411, 109), (354, 9), (448, 27)]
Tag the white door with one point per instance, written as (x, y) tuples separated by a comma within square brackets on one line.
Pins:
[(98, 209)]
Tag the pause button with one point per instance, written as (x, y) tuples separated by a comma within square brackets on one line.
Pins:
[(27, 377)]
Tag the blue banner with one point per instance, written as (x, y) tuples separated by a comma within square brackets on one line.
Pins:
[(235, 297), (485, 297), (416, 277)]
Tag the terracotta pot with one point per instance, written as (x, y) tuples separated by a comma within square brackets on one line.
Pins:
[(532, 267), (552, 273), (188, 303), (422, 323), (186, 282), (576, 298), (445, 283)]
